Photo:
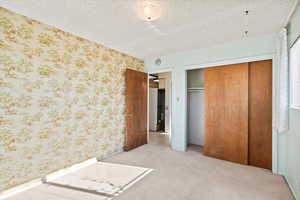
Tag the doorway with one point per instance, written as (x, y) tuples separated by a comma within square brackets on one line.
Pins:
[(195, 109), (160, 108)]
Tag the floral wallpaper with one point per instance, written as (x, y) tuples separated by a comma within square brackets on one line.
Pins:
[(61, 99)]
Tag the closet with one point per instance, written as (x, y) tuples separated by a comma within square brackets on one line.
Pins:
[(238, 113), (195, 107)]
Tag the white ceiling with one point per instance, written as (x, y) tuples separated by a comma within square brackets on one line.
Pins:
[(184, 24)]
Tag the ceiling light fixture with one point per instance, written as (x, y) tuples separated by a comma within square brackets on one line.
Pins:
[(149, 11)]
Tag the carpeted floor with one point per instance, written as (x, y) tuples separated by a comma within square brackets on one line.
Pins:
[(179, 176), (192, 176), (159, 139)]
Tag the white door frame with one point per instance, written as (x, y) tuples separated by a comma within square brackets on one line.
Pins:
[(170, 70), (274, 91)]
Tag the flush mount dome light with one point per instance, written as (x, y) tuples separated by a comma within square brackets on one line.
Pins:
[(149, 11)]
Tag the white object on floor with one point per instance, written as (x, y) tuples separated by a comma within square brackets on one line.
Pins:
[(103, 178), (101, 181), (48, 192), (32, 184)]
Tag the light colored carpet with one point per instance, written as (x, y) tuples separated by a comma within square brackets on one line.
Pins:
[(192, 176), (180, 176), (159, 139)]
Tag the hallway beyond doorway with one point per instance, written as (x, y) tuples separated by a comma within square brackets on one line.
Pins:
[(159, 138)]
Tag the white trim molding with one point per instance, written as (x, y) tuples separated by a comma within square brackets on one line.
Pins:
[(230, 61), (21, 188), (159, 71), (62, 172), (291, 188)]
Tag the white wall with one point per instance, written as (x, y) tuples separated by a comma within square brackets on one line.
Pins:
[(293, 135), (178, 63)]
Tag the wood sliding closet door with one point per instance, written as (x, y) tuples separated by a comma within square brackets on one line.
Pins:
[(260, 114), (136, 108), (226, 108)]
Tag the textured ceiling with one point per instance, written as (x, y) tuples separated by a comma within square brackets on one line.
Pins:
[(184, 24)]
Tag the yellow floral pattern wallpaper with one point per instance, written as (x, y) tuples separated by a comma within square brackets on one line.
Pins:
[(61, 99)]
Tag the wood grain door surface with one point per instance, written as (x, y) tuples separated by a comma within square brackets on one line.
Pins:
[(226, 107), (136, 96), (260, 114), (238, 106)]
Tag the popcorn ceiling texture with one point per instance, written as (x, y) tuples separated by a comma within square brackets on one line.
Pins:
[(61, 99)]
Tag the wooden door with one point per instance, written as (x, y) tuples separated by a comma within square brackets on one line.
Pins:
[(260, 114), (136, 109), (226, 112)]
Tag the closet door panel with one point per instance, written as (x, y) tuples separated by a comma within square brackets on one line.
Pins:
[(260, 114), (226, 107)]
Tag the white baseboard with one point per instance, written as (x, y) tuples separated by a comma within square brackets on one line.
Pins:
[(20, 188), (291, 188), (52, 176), (68, 170)]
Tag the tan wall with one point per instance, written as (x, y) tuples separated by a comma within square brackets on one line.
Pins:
[(61, 99)]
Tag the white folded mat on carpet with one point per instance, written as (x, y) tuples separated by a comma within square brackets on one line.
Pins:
[(98, 181), (103, 178)]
